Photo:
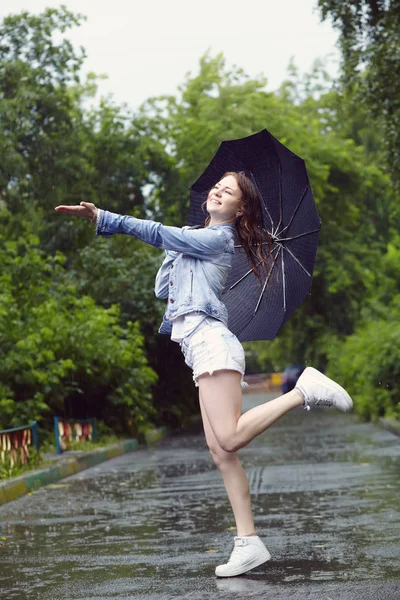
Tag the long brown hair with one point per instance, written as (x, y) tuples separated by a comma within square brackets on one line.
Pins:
[(251, 235)]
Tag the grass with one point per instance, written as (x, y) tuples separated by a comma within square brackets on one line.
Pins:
[(86, 446), (36, 461)]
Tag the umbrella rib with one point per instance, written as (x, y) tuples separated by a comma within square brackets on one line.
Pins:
[(262, 202), (296, 259), (295, 237), (243, 276), (250, 271), (280, 199), (268, 213), (295, 211), (284, 282), (267, 280)]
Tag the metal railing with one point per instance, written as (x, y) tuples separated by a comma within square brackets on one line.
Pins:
[(16, 444), (73, 430)]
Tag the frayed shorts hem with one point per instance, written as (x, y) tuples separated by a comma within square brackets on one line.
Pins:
[(243, 383)]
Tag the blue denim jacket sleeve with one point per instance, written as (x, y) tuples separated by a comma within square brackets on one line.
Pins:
[(199, 243), (161, 286)]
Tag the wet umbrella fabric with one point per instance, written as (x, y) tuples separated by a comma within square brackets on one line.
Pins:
[(257, 311)]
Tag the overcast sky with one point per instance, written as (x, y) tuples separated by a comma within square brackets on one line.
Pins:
[(147, 47)]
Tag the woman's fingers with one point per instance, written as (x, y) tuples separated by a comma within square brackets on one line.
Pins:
[(86, 210), (72, 210), (89, 205)]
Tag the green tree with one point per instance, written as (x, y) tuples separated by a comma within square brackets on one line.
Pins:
[(56, 151), (53, 150), (58, 348), (368, 360), (40, 141), (370, 43)]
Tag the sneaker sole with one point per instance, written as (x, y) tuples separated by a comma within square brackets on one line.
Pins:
[(264, 557), (323, 379)]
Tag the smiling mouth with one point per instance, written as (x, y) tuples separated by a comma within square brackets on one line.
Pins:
[(215, 201)]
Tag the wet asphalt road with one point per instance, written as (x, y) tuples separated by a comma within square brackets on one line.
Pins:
[(154, 523)]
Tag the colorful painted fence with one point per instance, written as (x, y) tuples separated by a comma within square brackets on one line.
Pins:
[(73, 430), (16, 444)]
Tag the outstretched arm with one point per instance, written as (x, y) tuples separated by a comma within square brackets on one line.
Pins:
[(200, 243)]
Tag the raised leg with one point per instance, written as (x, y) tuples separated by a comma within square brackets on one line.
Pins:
[(221, 398)]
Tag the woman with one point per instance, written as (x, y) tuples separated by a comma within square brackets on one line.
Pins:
[(192, 277)]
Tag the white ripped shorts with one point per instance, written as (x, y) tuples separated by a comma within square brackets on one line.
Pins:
[(212, 347)]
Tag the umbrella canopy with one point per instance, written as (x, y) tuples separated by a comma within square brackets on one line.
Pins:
[(290, 217)]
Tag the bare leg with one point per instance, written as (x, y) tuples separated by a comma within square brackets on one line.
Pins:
[(235, 479), (221, 397)]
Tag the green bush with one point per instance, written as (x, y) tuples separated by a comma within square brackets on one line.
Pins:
[(367, 364), (56, 346)]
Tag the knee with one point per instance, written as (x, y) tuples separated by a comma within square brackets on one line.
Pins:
[(221, 457), (228, 444)]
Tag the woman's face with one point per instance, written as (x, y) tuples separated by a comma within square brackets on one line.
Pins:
[(223, 200)]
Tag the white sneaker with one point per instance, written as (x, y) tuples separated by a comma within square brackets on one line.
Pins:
[(249, 552), (319, 390)]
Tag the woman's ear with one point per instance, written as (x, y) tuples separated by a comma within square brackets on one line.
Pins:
[(239, 210)]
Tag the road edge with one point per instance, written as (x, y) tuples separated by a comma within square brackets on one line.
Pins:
[(391, 425), (33, 480)]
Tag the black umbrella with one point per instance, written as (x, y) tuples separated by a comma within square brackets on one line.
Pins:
[(257, 312)]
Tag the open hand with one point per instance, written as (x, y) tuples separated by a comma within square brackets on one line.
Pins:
[(87, 210)]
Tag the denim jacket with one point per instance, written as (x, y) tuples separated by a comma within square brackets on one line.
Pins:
[(196, 264)]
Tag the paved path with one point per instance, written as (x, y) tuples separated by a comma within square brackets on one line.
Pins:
[(152, 524)]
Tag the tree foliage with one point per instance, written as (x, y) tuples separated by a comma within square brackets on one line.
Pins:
[(370, 43), (54, 151), (59, 348)]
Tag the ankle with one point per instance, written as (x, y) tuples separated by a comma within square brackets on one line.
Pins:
[(300, 395)]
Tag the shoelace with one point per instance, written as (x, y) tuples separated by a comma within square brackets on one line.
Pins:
[(324, 401), (321, 401)]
